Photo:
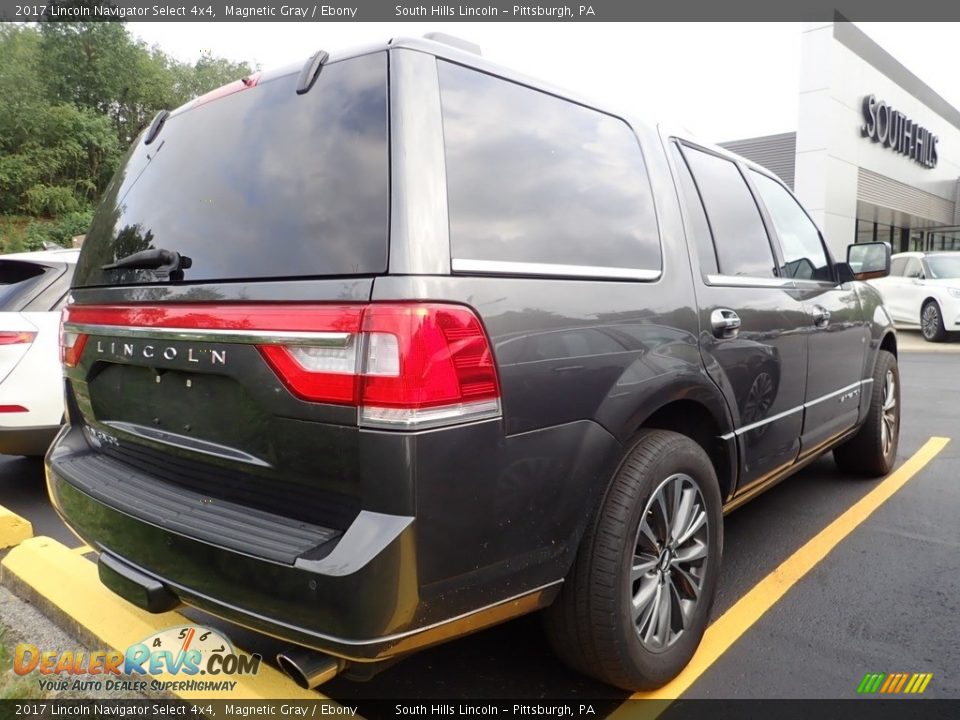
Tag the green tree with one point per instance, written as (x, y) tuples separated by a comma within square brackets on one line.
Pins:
[(55, 157), (75, 95), (208, 73)]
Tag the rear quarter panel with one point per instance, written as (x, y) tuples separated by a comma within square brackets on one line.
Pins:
[(582, 363)]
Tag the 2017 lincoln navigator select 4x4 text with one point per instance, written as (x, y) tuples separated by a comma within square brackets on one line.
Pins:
[(382, 349)]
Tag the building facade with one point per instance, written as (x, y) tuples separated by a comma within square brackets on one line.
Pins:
[(876, 153)]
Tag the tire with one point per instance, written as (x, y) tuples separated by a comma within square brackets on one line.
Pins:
[(591, 626), (931, 322), (873, 450)]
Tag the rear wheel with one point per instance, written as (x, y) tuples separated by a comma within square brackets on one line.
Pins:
[(931, 322), (873, 450), (637, 600)]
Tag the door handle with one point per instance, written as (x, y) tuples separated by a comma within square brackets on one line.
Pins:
[(725, 323), (821, 316)]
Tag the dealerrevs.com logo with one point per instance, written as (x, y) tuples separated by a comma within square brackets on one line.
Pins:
[(187, 658)]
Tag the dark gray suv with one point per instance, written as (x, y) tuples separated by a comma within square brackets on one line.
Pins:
[(378, 351)]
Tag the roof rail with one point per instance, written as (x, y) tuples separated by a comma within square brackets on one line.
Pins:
[(454, 41)]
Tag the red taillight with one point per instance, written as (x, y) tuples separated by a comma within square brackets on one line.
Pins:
[(71, 342), (426, 363), (16, 337), (306, 374), (402, 364), (12, 409)]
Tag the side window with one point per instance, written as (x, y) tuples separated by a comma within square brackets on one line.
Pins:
[(738, 231), (914, 269), (897, 266), (803, 255), (532, 178), (695, 216)]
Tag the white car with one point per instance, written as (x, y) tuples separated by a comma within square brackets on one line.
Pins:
[(33, 288), (923, 290)]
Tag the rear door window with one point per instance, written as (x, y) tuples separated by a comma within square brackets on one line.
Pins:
[(534, 179), (897, 266), (695, 217), (19, 282), (261, 183), (743, 248), (804, 257)]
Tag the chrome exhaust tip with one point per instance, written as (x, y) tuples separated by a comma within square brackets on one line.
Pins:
[(307, 668)]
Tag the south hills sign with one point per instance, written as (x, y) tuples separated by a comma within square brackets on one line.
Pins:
[(892, 129)]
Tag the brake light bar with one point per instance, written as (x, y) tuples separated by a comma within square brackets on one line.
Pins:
[(403, 365), (228, 89)]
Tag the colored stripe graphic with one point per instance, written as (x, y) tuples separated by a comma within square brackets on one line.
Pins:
[(871, 682), (894, 683)]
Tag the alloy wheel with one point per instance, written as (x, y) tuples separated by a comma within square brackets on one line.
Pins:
[(930, 322), (669, 561), (888, 425)]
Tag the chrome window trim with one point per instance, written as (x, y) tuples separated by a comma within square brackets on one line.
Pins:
[(502, 267), (246, 337), (750, 281), (791, 411), (825, 284)]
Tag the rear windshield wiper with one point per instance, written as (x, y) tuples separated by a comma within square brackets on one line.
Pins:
[(164, 261)]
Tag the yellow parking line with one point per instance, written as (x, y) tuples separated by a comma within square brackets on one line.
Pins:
[(747, 610), (13, 528), (67, 584)]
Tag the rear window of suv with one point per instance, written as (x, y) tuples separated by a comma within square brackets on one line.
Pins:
[(536, 179), (18, 281), (262, 183)]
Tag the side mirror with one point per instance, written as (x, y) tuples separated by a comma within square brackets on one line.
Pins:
[(866, 261)]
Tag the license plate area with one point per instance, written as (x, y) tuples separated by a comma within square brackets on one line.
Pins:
[(207, 407)]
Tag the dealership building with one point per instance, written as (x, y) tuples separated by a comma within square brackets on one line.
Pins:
[(876, 152)]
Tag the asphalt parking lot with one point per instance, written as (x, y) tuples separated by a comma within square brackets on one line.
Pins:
[(885, 599)]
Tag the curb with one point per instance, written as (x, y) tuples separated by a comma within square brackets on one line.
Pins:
[(66, 587), (13, 528)]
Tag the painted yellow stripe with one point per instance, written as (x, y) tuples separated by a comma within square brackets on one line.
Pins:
[(13, 528), (83, 550), (750, 608), (926, 681), (910, 685), (70, 585)]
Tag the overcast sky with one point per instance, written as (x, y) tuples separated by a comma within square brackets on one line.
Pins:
[(720, 80)]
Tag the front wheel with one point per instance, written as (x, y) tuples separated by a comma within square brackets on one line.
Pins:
[(873, 450), (931, 323), (636, 603)]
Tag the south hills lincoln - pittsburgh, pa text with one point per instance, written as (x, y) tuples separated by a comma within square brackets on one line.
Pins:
[(559, 12)]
